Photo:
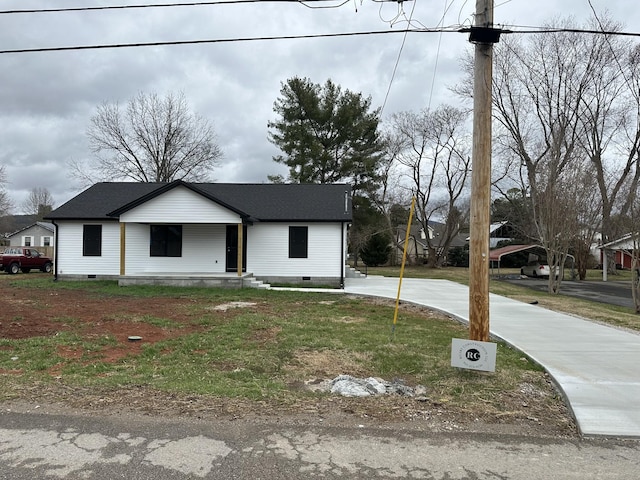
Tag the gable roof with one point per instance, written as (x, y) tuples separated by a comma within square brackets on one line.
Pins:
[(47, 226), (625, 242), (257, 202), (170, 186)]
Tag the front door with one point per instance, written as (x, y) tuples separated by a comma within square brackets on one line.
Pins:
[(232, 248)]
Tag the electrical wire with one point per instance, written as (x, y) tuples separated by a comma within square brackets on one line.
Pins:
[(502, 3), (395, 67), (615, 57), (464, 4), (305, 3), (449, 29), (435, 67), (211, 41), (538, 30)]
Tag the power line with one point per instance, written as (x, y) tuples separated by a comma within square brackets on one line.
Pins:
[(395, 67), (306, 3), (220, 40), (435, 67), (449, 29), (538, 30)]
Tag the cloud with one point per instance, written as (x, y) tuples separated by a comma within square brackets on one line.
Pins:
[(47, 99)]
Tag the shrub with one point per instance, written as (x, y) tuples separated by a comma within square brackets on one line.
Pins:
[(377, 250)]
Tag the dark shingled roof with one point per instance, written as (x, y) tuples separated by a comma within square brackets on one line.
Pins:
[(256, 202)]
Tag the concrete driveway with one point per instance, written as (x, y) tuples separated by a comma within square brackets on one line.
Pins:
[(596, 366)]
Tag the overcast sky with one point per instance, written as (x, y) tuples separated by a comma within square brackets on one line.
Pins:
[(48, 98)]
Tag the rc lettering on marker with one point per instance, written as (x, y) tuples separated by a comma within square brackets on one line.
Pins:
[(473, 355)]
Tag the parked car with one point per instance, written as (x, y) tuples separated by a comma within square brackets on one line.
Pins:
[(15, 259), (536, 269)]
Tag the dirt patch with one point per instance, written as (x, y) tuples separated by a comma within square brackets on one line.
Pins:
[(223, 307), (321, 365), (41, 313), (34, 313)]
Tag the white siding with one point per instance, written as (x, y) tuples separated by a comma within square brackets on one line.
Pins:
[(180, 205), (203, 251), (268, 251), (69, 258)]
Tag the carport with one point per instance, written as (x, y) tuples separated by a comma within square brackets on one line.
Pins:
[(496, 255)]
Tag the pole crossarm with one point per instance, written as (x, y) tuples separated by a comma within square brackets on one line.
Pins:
[(485, 35)]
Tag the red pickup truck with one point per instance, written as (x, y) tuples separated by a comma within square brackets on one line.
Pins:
[(26, 259)]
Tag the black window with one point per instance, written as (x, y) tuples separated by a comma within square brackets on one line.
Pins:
[(166, 241), (92, 240), (298, 240)]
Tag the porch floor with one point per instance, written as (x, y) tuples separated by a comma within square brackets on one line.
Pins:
[(192, 279)]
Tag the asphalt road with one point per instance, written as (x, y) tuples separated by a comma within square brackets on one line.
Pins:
[(68, 446), (611, 292)]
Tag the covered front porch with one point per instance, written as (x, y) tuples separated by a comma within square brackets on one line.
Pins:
[(195, 279), (183, 250)]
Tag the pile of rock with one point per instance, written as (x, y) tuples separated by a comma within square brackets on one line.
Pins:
[(349, 386)]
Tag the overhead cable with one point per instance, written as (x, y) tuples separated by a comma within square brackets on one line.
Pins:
[(449, 29), (306, 3), (198, 42)]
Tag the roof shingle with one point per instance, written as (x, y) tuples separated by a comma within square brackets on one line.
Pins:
[(259, 202)]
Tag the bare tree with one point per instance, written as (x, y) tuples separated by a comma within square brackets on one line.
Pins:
[(436, 160), (5, 202), (588, 217), (635, 285), (561, 99), (635, 258), (611, 118), (568, 215), (38, 203), (390, 194), (154, 140), (539, 97)]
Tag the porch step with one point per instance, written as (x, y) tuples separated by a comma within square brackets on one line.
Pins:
[(353, 273), (252, 282)]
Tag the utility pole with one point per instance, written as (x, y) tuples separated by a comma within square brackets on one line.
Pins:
[(484, 36)]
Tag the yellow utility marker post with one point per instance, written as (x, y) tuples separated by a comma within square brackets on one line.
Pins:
[(404, 259)]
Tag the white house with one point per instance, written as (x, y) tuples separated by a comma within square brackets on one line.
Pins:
[(39, 234), (204, 233)]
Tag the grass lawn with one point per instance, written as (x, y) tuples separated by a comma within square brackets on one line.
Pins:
[(64, 340)]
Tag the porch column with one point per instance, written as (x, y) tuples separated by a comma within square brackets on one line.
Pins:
[(122, 248), (240, 249)]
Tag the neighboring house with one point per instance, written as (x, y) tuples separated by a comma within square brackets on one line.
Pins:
[(499, 232), (204, 233), (417, 247), (39, 234), (623, 249)]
